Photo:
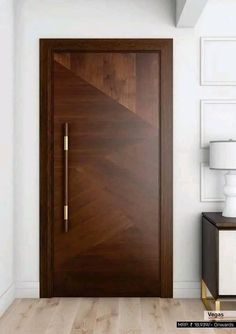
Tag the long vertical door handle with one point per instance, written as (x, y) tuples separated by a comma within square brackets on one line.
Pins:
[(66, 177)]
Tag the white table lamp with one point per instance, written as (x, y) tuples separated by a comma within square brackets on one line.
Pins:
[(223, 156)]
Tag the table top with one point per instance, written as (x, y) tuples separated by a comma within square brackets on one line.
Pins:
[(219, 221)]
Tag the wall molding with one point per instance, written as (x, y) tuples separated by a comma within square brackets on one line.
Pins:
[(7, 298), (202, 110), (187, 289), (203, 81), (27, 289)]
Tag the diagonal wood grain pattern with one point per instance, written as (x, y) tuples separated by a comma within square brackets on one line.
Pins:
[(104, 316), (131, 79), (111, 101)]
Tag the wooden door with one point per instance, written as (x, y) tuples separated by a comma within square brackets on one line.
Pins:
[(111, 105)]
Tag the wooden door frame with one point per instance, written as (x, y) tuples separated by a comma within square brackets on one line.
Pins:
[(165, 48)]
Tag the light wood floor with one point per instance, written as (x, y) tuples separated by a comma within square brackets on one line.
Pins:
[(102, 316)]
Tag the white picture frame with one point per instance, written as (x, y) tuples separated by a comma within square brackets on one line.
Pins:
[(222, 64), (218, 124)]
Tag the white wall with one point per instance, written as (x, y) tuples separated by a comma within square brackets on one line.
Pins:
[(110, 18), (6, 150)]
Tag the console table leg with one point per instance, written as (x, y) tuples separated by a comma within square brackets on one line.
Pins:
[(203, 290), (204, 295), (217, 305)]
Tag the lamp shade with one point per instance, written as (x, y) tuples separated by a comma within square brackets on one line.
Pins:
[(223, 154)]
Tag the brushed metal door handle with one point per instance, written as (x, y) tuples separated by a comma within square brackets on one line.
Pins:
[(66, 177)]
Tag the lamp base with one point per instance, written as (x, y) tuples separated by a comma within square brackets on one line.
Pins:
[(230, 195)]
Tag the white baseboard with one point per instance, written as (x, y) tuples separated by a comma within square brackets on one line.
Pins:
[(7, 298), (180, 290), (186, 290), (31, 290), (27, 290)]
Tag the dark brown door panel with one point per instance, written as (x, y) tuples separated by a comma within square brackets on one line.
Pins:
[(118, 108)]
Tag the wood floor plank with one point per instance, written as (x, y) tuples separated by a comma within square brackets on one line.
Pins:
[(224, 331), (129, 316), (85, 320), (20, 316), (107, 316), (194, 310), (7, 319), (172, 311), (62, 321), (151, 317), (40, 316), (104, 316)]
